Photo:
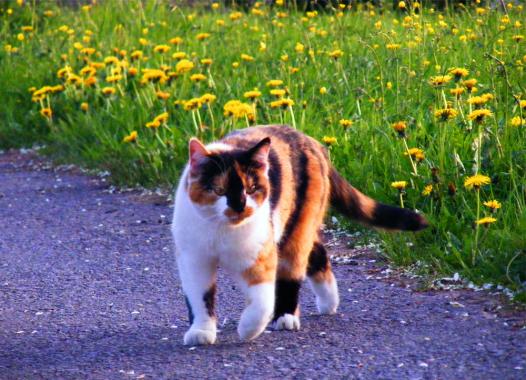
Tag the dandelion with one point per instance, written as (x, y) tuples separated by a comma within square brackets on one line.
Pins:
[(176, 41), (478, 101), (252, 94), (428, 189), (206, 61), (470, 84), (46, 112), (522, 104), (440, 80), (399, 185), (132, 137), (399, 127), (84, 106), (494, 205), (335, 54), (416, 153), (274, 83), (238, 110), (113, 78), (392, 46), (476, 181), (283, 103), (153, 75), (161, 49), (323, 90), (299, 48), (132, 71), (107, 91), (346, 123), (517, 121), (184, 66), (459, 73), (486, 221), (446, 114), (278, 92), (179, 55), (202, 36), (517, 37), (197, 77), (329, 140), (207, 98), (163, 95), (247, 58), (153, 124), (192, 104), (479, 115), (136, 55), (401, 5)]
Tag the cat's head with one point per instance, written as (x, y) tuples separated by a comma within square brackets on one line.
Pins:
[(228, 184)]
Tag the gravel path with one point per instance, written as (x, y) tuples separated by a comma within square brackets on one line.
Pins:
[(88, 290)]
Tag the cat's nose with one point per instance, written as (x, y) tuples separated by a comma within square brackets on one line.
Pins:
[(238, 205)]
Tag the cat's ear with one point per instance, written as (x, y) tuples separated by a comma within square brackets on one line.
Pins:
[(197, 152), (259, 152)]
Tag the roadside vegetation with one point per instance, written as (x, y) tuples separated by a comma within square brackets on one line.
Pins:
[(418, 107)]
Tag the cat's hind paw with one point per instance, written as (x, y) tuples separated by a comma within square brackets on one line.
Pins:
[(197, 337), (287, 322)]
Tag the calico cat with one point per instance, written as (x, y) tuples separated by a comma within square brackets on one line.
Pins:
[(254, 203)]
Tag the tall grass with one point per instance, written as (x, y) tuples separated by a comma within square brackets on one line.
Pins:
[(370, 83)]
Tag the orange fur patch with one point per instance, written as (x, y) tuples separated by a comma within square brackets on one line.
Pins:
[(264, 268)]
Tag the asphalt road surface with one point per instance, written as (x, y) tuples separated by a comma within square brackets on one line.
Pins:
[(88, 289)]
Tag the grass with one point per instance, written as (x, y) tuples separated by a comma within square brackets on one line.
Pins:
[(370, 83)]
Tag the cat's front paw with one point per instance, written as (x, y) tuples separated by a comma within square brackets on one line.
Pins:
[(249, 330), (287, 322), (198, 337)]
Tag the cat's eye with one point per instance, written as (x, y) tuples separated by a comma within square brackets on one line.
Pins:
[(251, 189), (219, 190)]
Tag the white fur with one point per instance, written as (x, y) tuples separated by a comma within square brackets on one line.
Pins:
[(204, 237), (276, 224), (327, 297), (257, 314), (287, 322)]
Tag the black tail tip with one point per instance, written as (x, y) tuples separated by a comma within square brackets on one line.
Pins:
[(416, 223)]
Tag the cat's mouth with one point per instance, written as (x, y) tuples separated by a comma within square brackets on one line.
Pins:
[(235, 217)]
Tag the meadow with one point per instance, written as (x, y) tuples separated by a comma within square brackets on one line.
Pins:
[(418, 107)]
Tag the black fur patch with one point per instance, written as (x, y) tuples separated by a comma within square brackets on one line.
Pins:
[(209, 299), (287, 296), (318, 260), (190, 312), (302, 182), (274, 174), (397, 218)]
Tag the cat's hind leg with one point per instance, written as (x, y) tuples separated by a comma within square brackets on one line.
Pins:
[(322, 280), (198, 277)]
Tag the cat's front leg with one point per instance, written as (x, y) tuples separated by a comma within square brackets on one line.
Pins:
[(258, 283), (198, 277)]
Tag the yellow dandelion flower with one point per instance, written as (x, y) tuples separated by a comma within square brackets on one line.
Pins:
[(46, 112), (346, 123), (132, 137), (428, 189), (459, 72), (517, 121), (329, 140), (335, 54), (479, 115), (197, 77), (478, 100), (247, 58), (446, 114), (202, 36), (154, 124), (323, 90), (132, 71), (192, 104), (282, 103), (517, 37), (493, 204), (401, 5), (163, 95), (176, 41), (136, 55), (161, 49), (184, 66), (107, 91), (486, 221), (113, 78), (179, 55), (274, 83), (399, 185), (400, 127), (207, 98), (470, 84), (476, 181), (206, 61), (522, 104), (416, 153), (278, 92), (393, 46), (440, 80), (84, 106), (252, 94)]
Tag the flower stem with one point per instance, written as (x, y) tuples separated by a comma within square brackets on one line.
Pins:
[(477, 227)]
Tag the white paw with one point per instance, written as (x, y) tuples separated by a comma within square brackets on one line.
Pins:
[(287, 322), (248, 330), (327, 306), (197, 337)]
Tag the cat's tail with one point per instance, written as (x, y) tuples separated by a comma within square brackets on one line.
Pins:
[(356, 205)]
